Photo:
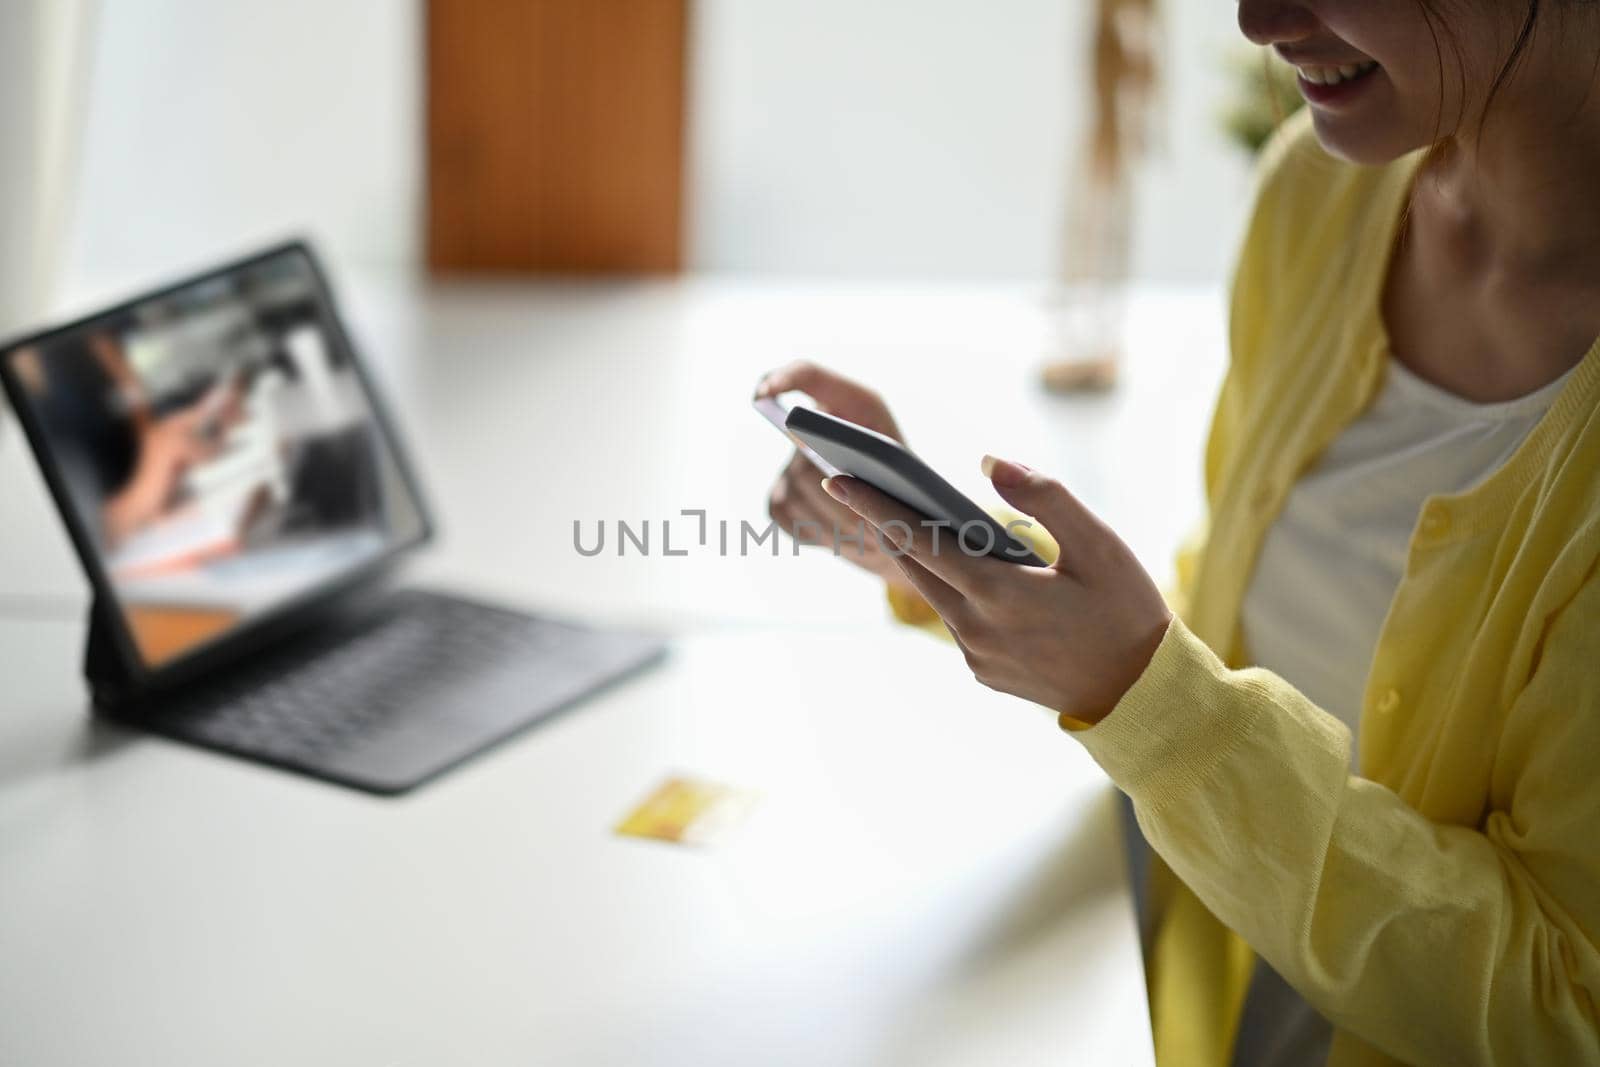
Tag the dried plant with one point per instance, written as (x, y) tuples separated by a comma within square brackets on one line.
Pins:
[(1100, 209)]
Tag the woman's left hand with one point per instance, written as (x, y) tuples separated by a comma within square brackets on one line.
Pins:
[(1072, 637)]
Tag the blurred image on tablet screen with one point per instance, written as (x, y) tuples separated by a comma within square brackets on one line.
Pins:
[(218, 447)]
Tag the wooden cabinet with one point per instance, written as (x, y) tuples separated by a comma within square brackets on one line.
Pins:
[(555, 135)]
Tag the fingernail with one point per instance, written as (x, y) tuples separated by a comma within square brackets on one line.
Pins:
[(761, 387), (986, 465), (832, 487), (1006, 473)]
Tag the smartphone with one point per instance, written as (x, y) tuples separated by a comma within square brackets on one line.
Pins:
[(776, 411), (837, 446)]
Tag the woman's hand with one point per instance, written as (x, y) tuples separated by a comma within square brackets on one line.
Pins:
[(797, 503), (167, 448), (1073, 637)]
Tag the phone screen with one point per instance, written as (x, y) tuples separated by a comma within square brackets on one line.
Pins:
[(776, 411)]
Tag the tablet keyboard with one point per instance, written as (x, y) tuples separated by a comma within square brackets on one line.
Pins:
[(421, 683)]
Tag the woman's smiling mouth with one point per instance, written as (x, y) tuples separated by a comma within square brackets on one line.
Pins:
[(1331, 85), (1328, 75)]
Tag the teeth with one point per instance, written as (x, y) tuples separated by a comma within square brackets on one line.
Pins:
[(1320, 75)]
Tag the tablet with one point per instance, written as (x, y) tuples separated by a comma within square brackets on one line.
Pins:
[(887, 465)]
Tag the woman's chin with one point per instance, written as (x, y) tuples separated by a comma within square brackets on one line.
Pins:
[(1362, 141)]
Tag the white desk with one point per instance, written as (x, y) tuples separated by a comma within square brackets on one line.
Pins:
[(934, 875)]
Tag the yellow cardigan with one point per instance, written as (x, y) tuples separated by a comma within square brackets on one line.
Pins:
[(1444, 908)]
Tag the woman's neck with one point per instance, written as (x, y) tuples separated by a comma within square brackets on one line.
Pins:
[(1496, 287), (1520, 194)]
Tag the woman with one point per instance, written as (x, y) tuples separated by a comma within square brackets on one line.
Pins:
[(1362, 740)]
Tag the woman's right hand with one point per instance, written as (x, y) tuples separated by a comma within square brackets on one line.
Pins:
[(797, 495)]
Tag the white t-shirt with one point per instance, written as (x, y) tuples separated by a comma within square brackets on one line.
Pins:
[(1325, 576), (1331, 562)]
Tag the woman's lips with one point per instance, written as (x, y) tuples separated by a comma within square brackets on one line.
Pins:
[(1328, 85)]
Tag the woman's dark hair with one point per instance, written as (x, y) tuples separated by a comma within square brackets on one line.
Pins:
[(1432, 11)]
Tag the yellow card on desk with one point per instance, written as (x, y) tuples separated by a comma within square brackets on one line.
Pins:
[(688, 811)]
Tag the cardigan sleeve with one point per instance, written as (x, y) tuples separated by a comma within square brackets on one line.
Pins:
[(1434, 943)]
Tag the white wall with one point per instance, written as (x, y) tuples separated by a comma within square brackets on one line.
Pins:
[(894, 137), (935, 137), (213, 126), (902, 138)]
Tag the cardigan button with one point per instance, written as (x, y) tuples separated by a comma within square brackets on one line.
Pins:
[(1389, 702)]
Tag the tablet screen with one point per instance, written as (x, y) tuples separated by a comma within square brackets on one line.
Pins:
[(218, 449)]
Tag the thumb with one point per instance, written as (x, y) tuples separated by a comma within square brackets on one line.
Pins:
[(1061, 513)]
